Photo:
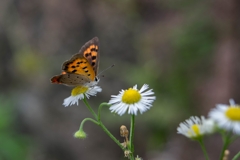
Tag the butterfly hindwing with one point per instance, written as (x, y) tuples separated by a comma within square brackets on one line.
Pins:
[(70, 79), (86, 61)]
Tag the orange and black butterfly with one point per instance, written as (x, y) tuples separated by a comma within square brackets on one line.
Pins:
[(82, 68)]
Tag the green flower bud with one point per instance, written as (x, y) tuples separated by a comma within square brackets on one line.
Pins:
[(80, 134)]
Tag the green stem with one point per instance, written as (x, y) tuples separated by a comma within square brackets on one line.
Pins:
[(111, 136), (132, 135), (203, 149), (89, 107), (226, 141), (87, 119), (98, 122), (100, 108), (236, 156), (104, 129)]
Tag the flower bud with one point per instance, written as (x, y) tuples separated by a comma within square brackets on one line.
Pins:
[(124, 131), (138, 158), (80, 134)]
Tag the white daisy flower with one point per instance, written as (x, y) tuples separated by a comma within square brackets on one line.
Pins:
[(79, 92), (132, 100), (194, 127), (227, 116)]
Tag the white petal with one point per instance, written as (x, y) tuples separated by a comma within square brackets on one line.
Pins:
[(232, 102), (144, 87), (92, 91)]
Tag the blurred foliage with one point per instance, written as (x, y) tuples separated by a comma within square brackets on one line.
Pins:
[(28, 62), (13, 145), (192, 59)]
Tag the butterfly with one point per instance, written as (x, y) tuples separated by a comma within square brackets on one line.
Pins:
[(82, 68)]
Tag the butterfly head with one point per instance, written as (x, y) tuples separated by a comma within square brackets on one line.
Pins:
[(92, 83)]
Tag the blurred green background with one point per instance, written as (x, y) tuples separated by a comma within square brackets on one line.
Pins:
[(187, 51)]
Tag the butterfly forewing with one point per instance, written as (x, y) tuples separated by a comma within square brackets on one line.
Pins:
[(91, 52), (79, 65), (86, 61)]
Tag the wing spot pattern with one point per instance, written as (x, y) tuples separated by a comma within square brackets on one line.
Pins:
[(94, 57), (87, 54)]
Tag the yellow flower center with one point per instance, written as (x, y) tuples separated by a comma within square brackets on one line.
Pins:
[(195, 129), (79, 90), (131, 96), (233, 113)]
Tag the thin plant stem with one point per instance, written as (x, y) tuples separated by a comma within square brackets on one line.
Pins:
[(132, 135), (236, 156), (226, 142), (100, 108), (89, 107), (87, 119), (98, 122), (111, 136), (203, 149)]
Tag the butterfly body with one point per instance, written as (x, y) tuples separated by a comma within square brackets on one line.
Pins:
[(82, 68)]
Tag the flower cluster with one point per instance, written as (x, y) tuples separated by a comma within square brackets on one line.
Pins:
[(224, 117), (195, 127), (131, 100)]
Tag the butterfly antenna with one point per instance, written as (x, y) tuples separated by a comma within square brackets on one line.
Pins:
[(105, 70)]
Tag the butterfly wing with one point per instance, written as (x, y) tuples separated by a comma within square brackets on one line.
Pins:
[(92, 53), (82, 68), (70, 79), (86, 61)]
